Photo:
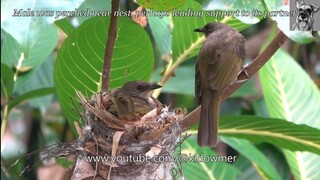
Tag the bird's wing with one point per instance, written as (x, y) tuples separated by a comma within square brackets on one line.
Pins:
[(225, 72), (122, 105), (228, 61), (239, 48), (198, 88)]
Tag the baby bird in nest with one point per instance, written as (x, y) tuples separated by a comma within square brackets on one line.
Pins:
[(132, 99)]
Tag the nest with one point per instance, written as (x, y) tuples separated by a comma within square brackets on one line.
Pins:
[(125, 144)]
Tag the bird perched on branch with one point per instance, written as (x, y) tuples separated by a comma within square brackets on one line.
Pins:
[(219, 62), (132, 99)]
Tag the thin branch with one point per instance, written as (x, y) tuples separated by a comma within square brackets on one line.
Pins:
[(177, 63), (252, 68), (182, 58), (112, 33), (187, 52)]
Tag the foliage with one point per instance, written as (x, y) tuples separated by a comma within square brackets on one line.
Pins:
[(80, 59)]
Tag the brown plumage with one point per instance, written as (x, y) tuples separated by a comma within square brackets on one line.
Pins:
[(219, 62), (133, 98)]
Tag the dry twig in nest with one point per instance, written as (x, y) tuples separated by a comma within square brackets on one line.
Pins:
[(129, 147)]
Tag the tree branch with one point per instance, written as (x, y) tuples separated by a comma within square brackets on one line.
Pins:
[(112, 33), (251, 69)]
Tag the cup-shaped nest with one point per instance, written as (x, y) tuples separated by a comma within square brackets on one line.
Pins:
[(149, 136)]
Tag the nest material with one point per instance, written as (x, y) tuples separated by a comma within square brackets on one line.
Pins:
[(153, 134)]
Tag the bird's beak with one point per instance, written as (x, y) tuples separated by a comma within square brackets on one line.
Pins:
[(155, 86), (198, 30)]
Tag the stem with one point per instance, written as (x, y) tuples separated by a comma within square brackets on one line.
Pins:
[(112, 33), (257, 63), (21, 59), (252, 68), (180, 59), (4, 122)]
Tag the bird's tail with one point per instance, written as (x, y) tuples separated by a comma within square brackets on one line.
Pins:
[(209, 119)]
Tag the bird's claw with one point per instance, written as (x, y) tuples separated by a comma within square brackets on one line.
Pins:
[(245, 71)]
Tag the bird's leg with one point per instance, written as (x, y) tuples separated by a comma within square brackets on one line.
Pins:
[(245, 71)]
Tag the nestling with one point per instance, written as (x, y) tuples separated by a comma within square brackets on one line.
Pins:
[(133, 98)]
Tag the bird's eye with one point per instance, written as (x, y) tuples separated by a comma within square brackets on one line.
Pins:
[(139, 87)]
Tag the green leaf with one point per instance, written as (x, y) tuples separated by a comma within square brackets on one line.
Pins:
[(239, 7), (29, 95), (7, 83), (278, 132), (42, 78), (254, 155), (93, 5), (213, 167), (33, 54), (185, 40), (27, 30), (277, 158), (30, 32), (27, 60), (248, 172), (186, 43), (260, 108), (80, 59), (65, 26), (180, 83), (10, 51), (163, 5), (160, 28), (290, 94)]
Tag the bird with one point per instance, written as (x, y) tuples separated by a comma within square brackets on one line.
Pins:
[(219, 62), (132, 99)]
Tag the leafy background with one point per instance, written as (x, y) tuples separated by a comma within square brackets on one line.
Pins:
[(80, 59), (272, 123)]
